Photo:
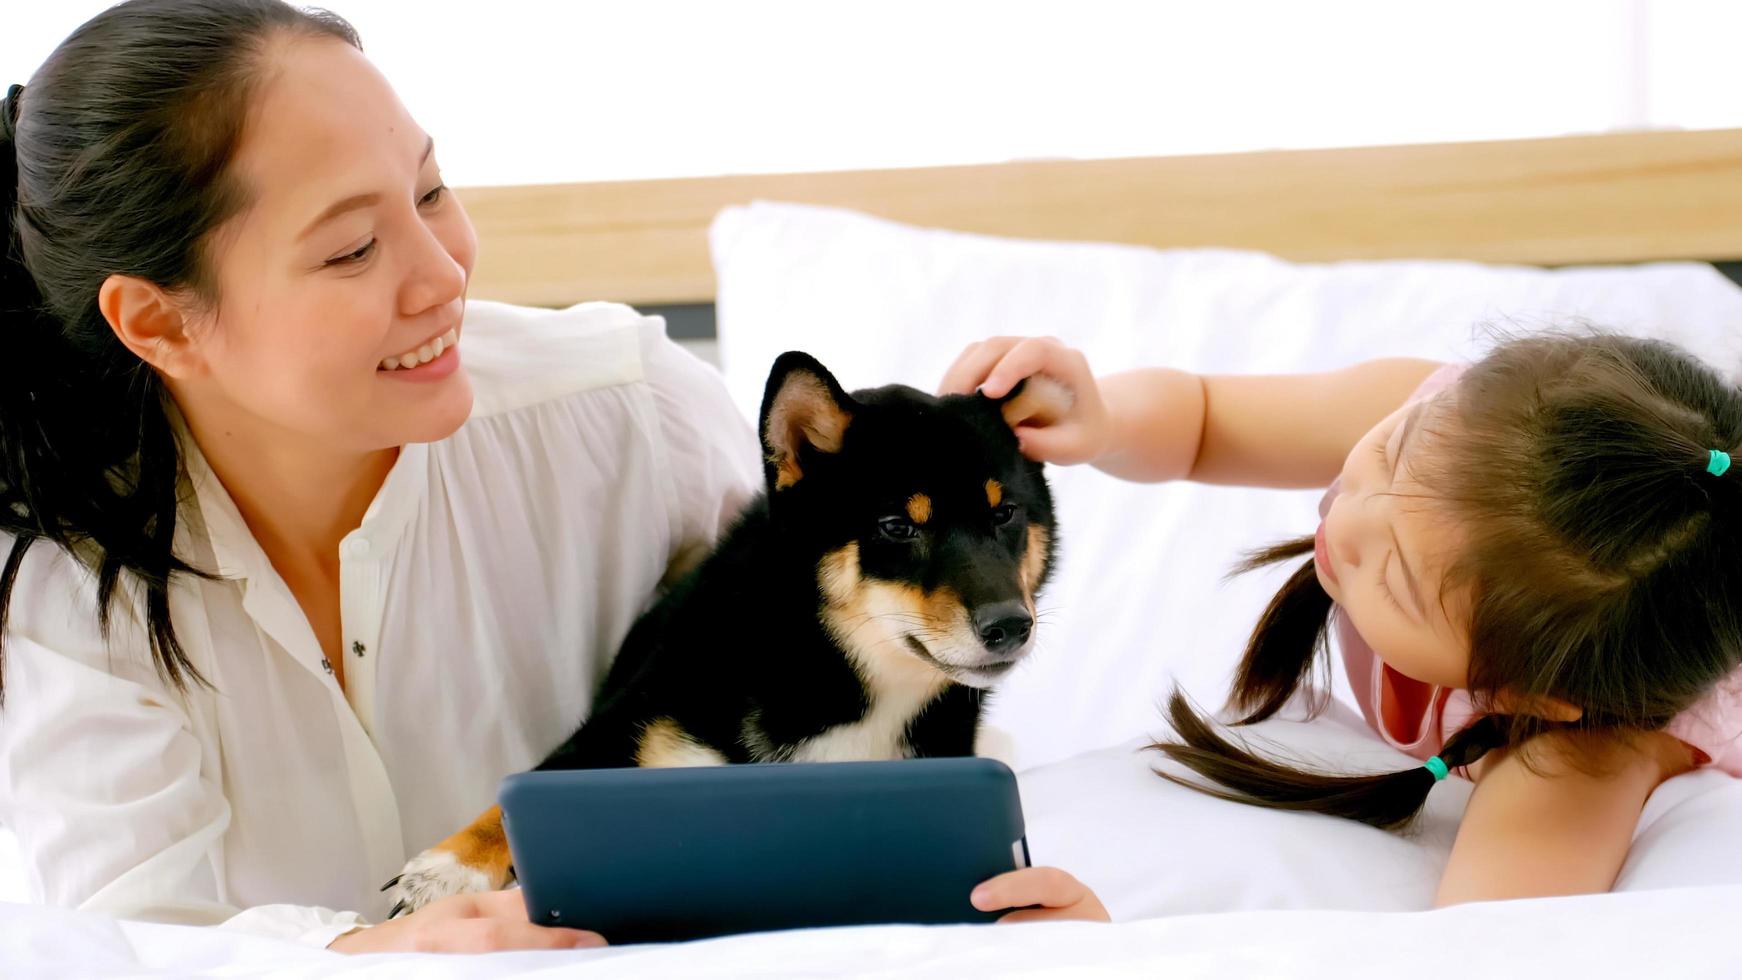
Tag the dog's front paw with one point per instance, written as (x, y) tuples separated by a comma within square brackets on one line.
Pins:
[(474, 860), (431, 875)]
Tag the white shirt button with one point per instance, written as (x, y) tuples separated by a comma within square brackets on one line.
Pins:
[(357, 548)]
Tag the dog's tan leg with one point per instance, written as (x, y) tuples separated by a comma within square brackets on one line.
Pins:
[(664, 743), (474, 860)]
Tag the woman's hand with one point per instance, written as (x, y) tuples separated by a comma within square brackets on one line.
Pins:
[(1059, 896), (479, 922), (1082, 433)]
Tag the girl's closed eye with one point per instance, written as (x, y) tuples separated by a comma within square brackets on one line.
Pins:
[(1385, 588)]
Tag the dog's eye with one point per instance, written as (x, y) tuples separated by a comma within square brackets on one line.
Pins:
[(899, 528), (1003, 514)]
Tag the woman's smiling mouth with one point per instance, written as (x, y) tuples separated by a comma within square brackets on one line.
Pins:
[(422, 355), (433, 360), (428, 351)]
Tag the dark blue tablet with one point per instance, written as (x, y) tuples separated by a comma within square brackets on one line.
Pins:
[(649, 855)]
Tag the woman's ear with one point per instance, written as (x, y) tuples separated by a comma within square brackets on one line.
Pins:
[(150, 323), (1036, 400), (1544, 706)]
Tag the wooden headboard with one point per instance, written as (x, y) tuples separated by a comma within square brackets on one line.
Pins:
[(1589, 199)]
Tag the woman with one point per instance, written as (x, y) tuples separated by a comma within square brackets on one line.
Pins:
[(304, 553)]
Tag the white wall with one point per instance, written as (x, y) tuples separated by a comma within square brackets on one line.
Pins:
[(518, 91)]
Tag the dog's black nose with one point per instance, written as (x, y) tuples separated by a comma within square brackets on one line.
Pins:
[(1003, 626)]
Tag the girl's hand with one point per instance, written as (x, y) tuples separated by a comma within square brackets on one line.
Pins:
[(480, 922), (1081, 433), (1059, 895)]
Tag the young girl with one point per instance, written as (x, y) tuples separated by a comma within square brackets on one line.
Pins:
[(1529, 565)]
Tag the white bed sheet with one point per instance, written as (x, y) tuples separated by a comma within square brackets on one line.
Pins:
[(1681, 934), (1202, 888), (12, 886)]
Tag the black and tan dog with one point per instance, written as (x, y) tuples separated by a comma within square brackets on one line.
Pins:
[(858, 610)]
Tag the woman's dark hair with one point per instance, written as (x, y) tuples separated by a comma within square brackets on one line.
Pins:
[(1601, 562), (114, 160)]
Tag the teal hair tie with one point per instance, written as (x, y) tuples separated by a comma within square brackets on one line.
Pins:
[(1437, 766), (1719, 463)]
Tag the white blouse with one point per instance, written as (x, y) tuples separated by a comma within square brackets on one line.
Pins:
[(483, 596)]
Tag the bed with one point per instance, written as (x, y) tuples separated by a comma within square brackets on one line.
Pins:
[(1261, 261)]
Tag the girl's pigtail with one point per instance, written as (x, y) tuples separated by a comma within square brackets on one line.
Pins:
[(1385, 800), (1287, 640)]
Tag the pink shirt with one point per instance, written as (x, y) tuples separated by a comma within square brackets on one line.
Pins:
[(1417, 718)]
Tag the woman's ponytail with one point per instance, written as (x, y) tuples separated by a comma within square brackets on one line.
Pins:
[(88, 458), (25, 329)]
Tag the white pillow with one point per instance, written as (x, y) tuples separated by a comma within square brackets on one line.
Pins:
[(13, 886), (1150, 848), (1138, 598)]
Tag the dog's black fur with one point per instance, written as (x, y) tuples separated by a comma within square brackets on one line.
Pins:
[(755, 655)]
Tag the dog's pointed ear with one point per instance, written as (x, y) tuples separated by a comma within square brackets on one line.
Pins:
[(1036, 400), (804, 410)]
